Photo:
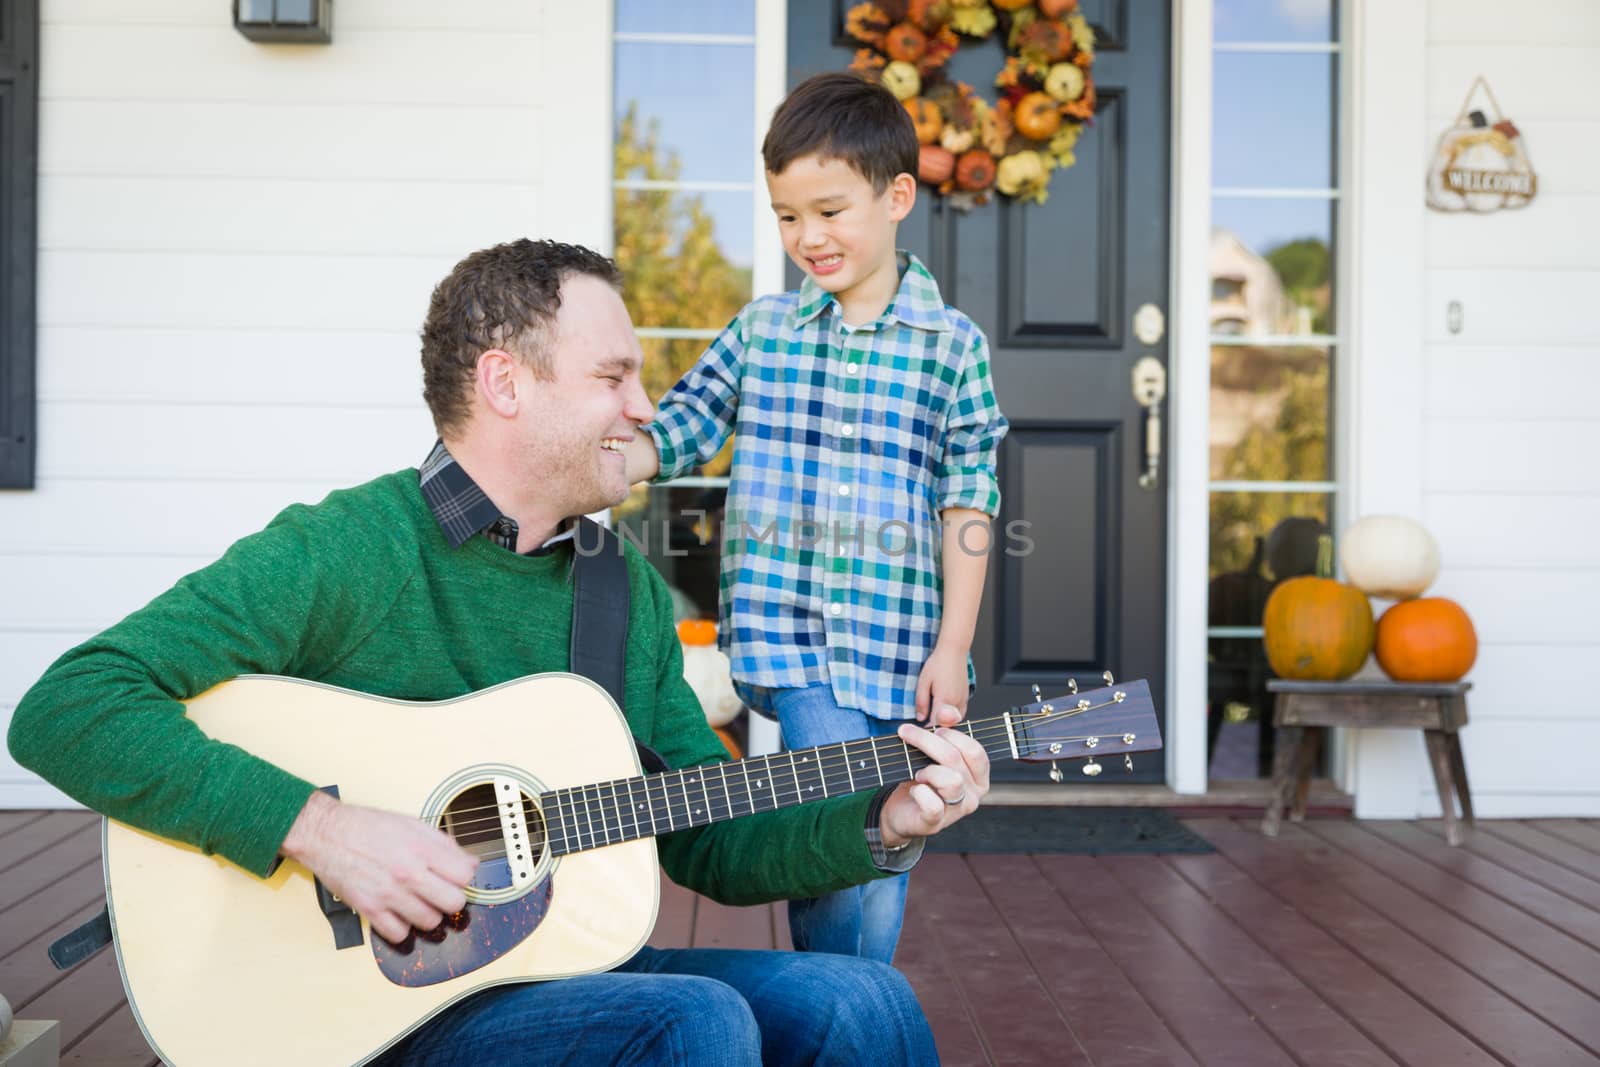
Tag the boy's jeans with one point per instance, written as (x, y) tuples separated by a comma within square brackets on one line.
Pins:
[(863, 920)]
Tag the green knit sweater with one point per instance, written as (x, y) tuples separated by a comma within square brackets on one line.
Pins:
[(362, 591)]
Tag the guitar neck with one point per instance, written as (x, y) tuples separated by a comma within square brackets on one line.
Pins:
[(606, 813)]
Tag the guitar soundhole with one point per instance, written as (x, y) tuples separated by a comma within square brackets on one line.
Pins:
[(506, 832), (499, 822)]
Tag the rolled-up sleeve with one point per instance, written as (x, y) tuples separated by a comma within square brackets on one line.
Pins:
[(973, 431), (696, 416)]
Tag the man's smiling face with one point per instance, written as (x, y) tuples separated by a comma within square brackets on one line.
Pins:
[(574, 425)]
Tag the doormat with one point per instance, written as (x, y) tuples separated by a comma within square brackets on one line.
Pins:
[(1085, 830)]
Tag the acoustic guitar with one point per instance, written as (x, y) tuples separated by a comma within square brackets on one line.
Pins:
[(540, 778)]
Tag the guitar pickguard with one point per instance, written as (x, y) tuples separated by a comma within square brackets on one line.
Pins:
[(481, 934)]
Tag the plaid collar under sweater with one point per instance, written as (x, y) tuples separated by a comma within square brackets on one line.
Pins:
[(463, 510)]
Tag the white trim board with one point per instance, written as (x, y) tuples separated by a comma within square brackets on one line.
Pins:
[(1189, 359)]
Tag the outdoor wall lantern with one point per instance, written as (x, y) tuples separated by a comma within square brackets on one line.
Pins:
[(285, 21)]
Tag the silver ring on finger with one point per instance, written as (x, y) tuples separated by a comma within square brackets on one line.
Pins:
[(959, 798)]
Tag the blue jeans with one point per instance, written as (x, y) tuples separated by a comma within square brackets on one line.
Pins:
[(863, 920), (701, 1006)]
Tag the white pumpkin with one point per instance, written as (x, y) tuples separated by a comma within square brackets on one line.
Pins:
[(1389, 556), (710, 674)]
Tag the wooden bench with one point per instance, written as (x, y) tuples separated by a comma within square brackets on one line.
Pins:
[(1302, 710)]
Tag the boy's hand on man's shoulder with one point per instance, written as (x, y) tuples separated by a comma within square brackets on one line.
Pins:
[(942, 687), (640, 458)]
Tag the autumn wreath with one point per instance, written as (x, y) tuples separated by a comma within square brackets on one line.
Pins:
[(969, 145)]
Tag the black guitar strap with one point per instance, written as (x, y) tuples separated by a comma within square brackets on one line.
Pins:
[(598, 652), (599, 608), (599, 648)]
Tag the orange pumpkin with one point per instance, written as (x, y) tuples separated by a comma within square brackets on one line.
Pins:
[(905, 42), (1315, 628), (975, 170), (1429, 639), (1038, 116), (1056, 8), (1011, 5), (935, 164), (729, 742), (926, 117), (697, 631)]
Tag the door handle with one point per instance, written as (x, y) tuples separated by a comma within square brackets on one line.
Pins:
[(1150, 389)]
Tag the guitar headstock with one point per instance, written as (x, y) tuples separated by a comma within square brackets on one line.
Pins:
[(1106, 723)]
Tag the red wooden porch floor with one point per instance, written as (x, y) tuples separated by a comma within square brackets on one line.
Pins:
[(1337, 943)]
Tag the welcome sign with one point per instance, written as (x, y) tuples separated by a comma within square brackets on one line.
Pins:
[(1479, 165)]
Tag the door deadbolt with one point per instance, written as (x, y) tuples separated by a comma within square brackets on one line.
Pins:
[(1149, 324)]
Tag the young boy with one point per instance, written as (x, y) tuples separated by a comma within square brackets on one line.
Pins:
[(856, 532)]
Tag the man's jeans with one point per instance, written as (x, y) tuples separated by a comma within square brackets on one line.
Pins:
[(706, 1007), (863, 920)]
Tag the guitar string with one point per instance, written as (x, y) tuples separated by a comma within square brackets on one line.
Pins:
[(603, 826), (827, 766), (994, 733)]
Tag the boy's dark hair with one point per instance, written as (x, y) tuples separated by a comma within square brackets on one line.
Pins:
[(841, 115), (502, 297)]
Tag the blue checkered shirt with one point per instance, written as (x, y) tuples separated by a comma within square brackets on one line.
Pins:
[(850, 442)]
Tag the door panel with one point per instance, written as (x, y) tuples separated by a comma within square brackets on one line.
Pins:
[(1077, 581)]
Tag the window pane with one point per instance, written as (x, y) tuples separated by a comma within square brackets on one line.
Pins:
[(1269, 414), (1267, 536), (1276, 21), (1273, 121), (690, 109), (675, 16), (1257, 540), (1271, 266), (685, 257), (295, 11)]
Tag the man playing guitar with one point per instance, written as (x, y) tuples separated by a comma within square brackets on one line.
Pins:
[(431, 583)]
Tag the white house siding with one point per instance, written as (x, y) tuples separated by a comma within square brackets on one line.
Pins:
[(1509, 427), (237, 243)]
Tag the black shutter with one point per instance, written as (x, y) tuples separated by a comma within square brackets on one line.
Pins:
[(19, 168)]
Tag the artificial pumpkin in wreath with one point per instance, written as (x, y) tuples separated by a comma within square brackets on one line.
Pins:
[(1316, 628)]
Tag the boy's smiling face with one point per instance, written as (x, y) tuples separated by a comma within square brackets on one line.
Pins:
[(841, 232)]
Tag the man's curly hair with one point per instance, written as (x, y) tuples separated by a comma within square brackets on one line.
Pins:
[(503, 297)]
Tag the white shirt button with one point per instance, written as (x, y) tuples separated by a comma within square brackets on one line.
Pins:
[(835, 609), (847, 429), (844, 490), (851, 368)]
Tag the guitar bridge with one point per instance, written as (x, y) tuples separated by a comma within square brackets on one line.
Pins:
[(520, 856)]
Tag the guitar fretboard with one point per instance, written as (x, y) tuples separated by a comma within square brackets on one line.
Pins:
[(606, 813)]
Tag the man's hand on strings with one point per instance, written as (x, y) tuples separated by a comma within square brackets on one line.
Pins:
[(944, 791), (395, 870)]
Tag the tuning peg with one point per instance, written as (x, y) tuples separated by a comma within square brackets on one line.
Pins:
[(1127, 762), (1037, 696), (1072, 686), (1092, 768), (1109, 680), (1055, 772)]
